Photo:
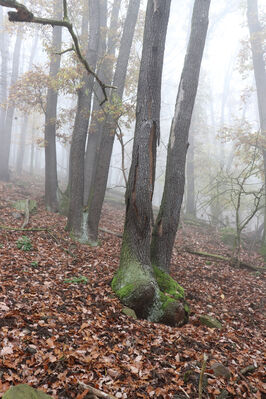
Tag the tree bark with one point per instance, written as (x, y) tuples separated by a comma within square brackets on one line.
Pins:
[(98, 186), (136, 283), (51, 182), (256, 37), (76, 215), (190, 172), (7, 131), (23, 132), (165, 228), (3, 87), (107, 58)]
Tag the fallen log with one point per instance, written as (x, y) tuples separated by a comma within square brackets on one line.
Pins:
[(234, 262)]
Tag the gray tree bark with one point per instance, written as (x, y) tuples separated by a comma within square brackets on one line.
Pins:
[(7, 131), (165, 228), (136, 283), (106, 66), (76, 215), (256, 37), (98, 185), (24, 126), (51, 182), (4, 60)]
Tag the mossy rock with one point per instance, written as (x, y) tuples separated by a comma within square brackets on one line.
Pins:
[(210, 322), (129, 312), (24, 391)]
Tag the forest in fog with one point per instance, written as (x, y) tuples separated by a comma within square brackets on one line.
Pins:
[(144, 120)]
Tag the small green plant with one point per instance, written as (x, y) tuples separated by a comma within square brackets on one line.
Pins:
[(77, 280), (24, 243), (34, 264)]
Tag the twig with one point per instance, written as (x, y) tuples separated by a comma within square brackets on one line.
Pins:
[(96, 392), (3, 227), (203, 367), (111, 232)]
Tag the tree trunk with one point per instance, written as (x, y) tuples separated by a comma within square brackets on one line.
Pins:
[(51, 183), (107, 58), (7, 131), (3, 86), (76, 215), (136, 283), (190, 173), (98, 186), (256, 37), (165, 228), (23, 132)]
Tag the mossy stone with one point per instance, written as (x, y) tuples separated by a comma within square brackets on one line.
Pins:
[(24, 391), (129, 312), (210, 322)]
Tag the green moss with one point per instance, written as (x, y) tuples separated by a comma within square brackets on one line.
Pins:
[(23, 391), (263, 251), (125, 291), (166, 300), (186, 307), (167, 284)]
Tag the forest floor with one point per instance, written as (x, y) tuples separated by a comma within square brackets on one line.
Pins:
[(61, 325)]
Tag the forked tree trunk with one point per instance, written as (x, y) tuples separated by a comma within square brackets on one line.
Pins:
[(98, 186), (165, 228), (76, 223), (256, 38), (136, 283), (51, 183), (7, 131), (106, 66)]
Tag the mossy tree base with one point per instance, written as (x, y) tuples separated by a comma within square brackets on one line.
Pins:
[(149, 291)]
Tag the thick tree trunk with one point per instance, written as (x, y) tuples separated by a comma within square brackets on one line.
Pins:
[(107, 58), (23, 132), (76, 223), (190, 172), (136, 283), (165, 228), (51, 183), (7, 131), (98, 186), (256, 37)]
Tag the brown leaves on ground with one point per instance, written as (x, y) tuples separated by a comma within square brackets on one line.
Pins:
[(55, 334)]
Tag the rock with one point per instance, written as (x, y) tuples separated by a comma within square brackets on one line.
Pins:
[(174, 314), (129, 312), (210, 322), (219, 370), (16, 215), (24, 391)]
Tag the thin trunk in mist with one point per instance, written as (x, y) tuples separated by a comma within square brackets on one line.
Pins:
[(98, 185), (4, 60), (135, 282), (107, 60), (7, 131), (24, 126), (75, 221), (164, 231), (256, 37), (51, 183)]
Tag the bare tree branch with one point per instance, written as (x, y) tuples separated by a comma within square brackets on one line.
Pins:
[(23, 14)]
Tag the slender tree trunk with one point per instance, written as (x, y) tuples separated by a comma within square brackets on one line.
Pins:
[(165, 228), (51, 183), (6, 133), (23, 132), (98, 186), (136, 283), (256, 37), (3, 86), (77, 153), (107, 60)]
